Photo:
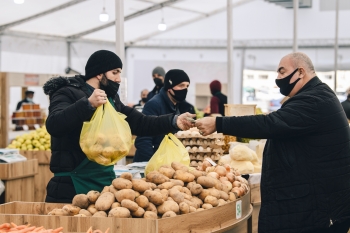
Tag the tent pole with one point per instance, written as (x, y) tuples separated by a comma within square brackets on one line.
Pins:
[(295, 35), (229, 54), (336, 44)]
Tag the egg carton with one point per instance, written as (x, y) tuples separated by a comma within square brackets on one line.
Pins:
[(196, 134), (201, 157), (202, 142), (199, 149)]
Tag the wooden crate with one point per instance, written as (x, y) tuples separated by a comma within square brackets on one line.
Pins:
[(218, 219), (44, 174), (240, 109), (256, 203), (255, 193), (19, 180)]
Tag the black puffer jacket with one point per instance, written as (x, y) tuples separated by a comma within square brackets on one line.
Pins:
[(69, 108), (305, 183)]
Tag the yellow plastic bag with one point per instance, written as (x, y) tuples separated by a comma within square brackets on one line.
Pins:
[(106, 138), (170, 150)]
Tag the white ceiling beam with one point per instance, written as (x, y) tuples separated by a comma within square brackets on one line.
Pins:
[(178, 8), (41, 14), (133, 15), (184, 23)]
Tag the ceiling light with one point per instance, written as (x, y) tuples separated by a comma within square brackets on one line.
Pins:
[(18, 1), (162, 26), (104, 16)]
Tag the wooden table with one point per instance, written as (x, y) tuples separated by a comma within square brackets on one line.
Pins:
[(19, 180)]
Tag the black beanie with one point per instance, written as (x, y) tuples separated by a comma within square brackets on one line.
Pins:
[(175, 77), (101, 62)]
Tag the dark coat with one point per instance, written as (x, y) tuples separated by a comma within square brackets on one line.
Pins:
[(155, 91), (69, 108), (185, 106), (159, 105), (305, 183), (217, 103), (346, 106)]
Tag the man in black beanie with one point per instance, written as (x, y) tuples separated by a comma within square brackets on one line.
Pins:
[(73, 101), (174, 91), (158, 74)]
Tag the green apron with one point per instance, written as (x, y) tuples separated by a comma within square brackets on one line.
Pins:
[(90, 176)]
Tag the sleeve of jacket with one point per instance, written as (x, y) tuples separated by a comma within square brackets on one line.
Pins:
[(142, 125), (65, 113), (144, 144), (296, 118)]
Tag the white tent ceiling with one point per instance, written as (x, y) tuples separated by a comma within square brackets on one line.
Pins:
[(256, 22)]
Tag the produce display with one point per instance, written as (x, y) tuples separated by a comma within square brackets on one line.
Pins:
[(242, 158), (34, 141), (227, 140), (13, 228), (201, 147), (167, 192)]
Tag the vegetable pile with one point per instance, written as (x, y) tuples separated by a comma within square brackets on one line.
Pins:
[(13, 228), (170, 191)]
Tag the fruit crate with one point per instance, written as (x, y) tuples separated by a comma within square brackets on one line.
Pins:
[(19, 180), (219, 219)]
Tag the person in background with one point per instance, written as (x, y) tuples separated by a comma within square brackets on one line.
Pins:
[(175, 88), (346, 107), (158, 74), (143, 100), (305, 178), (73, 101), (28, 99), (218, 100)]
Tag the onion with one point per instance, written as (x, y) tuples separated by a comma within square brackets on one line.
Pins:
[(236, 184), (230, 176), (227, 167), (220, 170), (206, 164), (238, 191), (213, 174)]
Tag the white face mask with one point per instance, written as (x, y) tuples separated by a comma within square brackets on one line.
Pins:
[(30, 99)]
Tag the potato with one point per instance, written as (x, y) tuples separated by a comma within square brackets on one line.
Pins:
[(154, 197), (169, 214), (206, 206), (81, 200), (85, 212), (207, 181), (186, 190), (126, 175), (222, 202), (168, 206), (157, 190), (142, 201), (197, 201), (190, 184), (184, 208), (200, 209), (105, 189), (166, 185), (121, 183), (137, 194), (100, 214), (151, 207), (130, 205), (92, 209), (152, 185), (192, 209), (214, 192), (220, 170), (150, 215), (125, 194), (186, 196), (72, 210), (179, 166), (220, 186), (140, 185), (105, 201), (232, 196), (190, 203), (58, 212), (169, 199), (176, 195), (115, 204), (81, 215), (228, 184), (184, 176), (165, 194), (196, 189), (223, 195), (93, 195), (196, 173), (178, 187), (119, 212), (211, 200), (204, 194), (112, 189), (167, 171), (177, 182), (156, 177), (138, 213)]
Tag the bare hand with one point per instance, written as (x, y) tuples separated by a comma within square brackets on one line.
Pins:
[(206, 125), (98, 98), (183, 121)]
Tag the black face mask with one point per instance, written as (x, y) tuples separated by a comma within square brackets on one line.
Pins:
[(111, 88), (179, 95), (284, 85), (158, 82), (144, 100)]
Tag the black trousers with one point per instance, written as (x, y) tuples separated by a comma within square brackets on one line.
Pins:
[(337, 228)]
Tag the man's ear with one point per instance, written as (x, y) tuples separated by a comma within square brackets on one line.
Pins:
[(301, 72), (99, 77)]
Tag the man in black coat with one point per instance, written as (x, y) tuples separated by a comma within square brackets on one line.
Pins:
[(73, 101), (305, 179), (28, 99), (158, 75)]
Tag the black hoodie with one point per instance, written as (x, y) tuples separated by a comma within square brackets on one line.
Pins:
[(69, 108)]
